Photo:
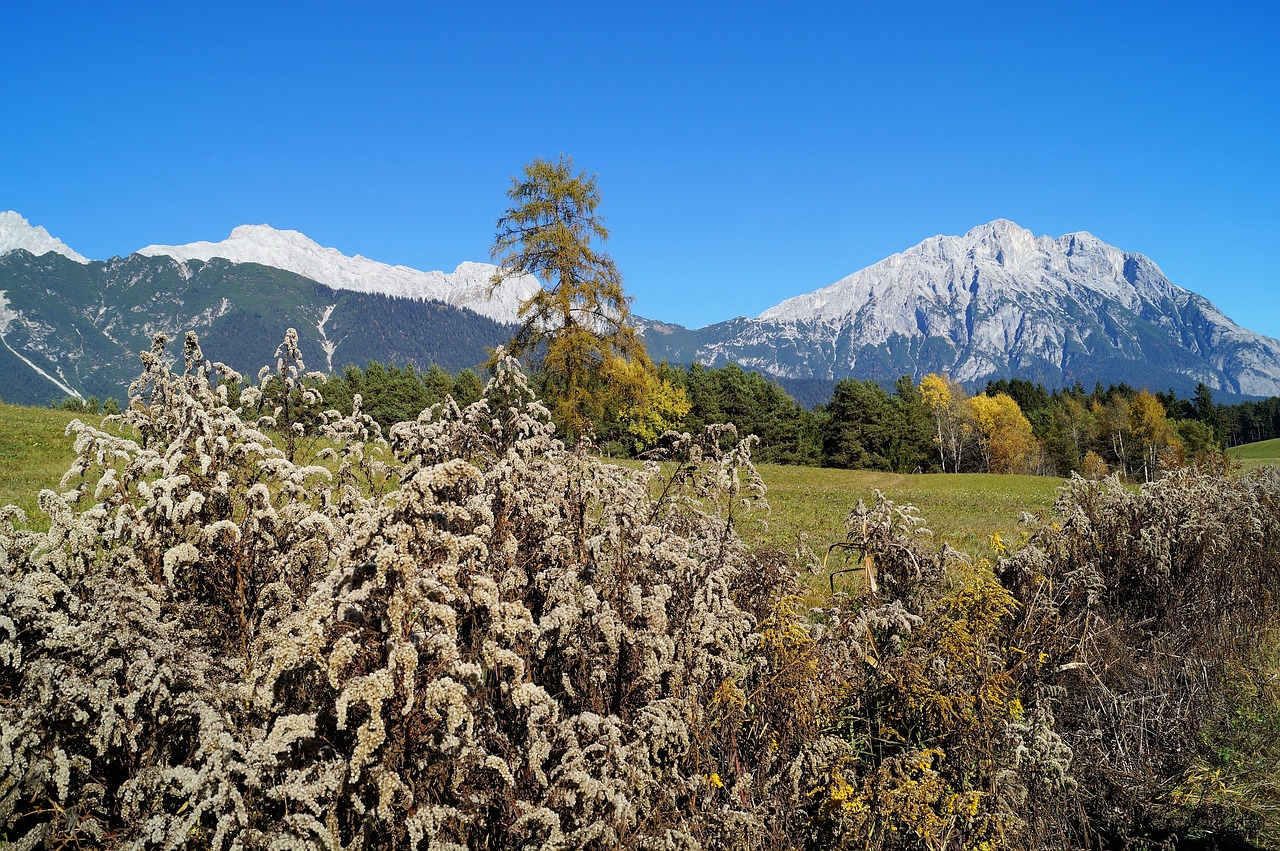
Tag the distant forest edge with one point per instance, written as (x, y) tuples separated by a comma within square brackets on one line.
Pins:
[(862, 425)]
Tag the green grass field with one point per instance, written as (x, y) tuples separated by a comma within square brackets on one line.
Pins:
[(961, 509), (964, 510), (34, 452), (1257, 454)]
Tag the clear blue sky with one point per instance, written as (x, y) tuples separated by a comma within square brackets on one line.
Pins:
[(746, 152)]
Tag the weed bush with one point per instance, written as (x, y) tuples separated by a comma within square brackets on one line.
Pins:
[(1140, 613), (463, 635)]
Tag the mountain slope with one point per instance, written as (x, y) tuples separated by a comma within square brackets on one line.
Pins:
[(466, 287), (76, 329), (997, 302)]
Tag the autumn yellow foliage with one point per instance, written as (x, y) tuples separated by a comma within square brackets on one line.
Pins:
[(1003, 433)]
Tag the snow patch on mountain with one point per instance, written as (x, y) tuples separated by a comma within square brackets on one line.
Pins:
[(329, 346), (17, 233), (467, 286), (8, 316)]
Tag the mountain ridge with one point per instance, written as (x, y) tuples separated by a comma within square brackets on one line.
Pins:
[(466, 287), (65, 326), (18, 233), (995, 302)]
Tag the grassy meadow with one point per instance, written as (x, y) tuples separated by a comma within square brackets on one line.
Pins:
[(1257, 454), (964, 510), (34, 453)]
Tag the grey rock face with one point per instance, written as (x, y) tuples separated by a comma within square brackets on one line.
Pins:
[(998, 302)]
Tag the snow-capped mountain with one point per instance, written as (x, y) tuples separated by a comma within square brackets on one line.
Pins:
[(466, 287), (17, 233), (71, 329), (997, 302)]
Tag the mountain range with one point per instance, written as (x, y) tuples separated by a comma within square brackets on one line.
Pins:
[(996, 302)]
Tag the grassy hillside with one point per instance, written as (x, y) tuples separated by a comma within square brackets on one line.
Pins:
[(1256, 454)]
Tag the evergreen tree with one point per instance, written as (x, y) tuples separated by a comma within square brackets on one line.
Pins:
[(467, 388), (863, 427), (914, 450), (438, 381)]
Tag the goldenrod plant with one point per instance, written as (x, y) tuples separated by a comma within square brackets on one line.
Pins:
[(464, 635)]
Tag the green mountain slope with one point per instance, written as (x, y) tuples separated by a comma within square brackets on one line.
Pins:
[(83, 325)]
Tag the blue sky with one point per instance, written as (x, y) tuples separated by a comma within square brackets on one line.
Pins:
[(746, 152)]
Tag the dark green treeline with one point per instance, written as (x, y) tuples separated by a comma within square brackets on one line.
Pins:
[(867, 426)]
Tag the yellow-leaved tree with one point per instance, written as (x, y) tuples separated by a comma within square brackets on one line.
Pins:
[(1154, 436), (647, 405), (577, 326), (952, 430), (1003, 433)]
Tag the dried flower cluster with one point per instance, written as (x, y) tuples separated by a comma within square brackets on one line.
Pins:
[(1140, 614), (463, 635)]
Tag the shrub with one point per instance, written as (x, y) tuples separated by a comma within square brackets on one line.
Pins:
[(513, 646), (1140, 614), (464, 635)]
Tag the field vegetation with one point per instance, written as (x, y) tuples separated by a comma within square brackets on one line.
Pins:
[(805, 504), (1257, 454), (34, 453), (964, 511), (464, 634)]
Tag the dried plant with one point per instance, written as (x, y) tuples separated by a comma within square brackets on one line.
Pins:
[(479, 639), (465, 635), (1138, 611)]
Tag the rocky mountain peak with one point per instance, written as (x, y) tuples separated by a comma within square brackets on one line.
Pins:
[(999, 301), (266, 235), (17, 233), (997, 229), (1004, 243)]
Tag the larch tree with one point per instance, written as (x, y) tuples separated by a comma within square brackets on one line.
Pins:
[(577, 326)]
